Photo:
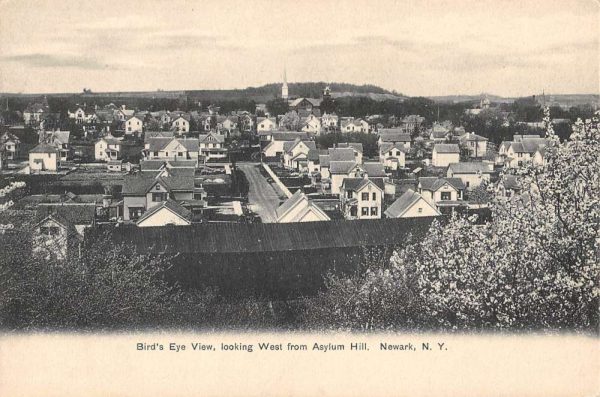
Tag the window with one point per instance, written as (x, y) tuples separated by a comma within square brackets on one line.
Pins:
[(374, 211), (158, 197), (156, 154), (135, 212), (365, 197), (349, 194), (180, 153), (374, 196), (353, 211), (420, 210), (49, 230), (446, 196), (364, 211)]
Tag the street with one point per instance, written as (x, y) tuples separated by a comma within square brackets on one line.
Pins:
[(262, 198)]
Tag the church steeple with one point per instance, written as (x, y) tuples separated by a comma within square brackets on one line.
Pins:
[(284, 87)]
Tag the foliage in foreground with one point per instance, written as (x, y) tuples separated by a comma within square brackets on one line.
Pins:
[(535, 266)]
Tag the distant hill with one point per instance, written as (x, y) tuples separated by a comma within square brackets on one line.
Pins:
[(551, 99), (258, 94)]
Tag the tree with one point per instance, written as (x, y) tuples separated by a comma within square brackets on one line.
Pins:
[(291, 121), (277, 107), (535, 265)]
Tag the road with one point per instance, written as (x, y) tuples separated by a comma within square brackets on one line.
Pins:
[(262, 197)]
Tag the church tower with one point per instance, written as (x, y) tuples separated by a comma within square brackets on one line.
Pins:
[(284, 87)]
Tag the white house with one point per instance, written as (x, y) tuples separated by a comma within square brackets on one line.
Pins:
[(172, 149), (362, 198), (394, 136), (516, 153), (133, 125), (299, 209), (181, 124), (44, 157), (354, 125), (266, 124), (107, 148), (311, 124), (472, 174), (442, 192), (329, 122), (212, 146), (476, 144), (295, 154), (411, 205), (12, 145), (168, 212), (357, 149), (392, 156), (445, 153)]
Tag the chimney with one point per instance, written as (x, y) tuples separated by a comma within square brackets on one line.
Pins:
[(106, 200)]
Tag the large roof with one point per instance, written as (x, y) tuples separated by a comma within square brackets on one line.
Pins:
[(44, 148), (135, 185), (354, 145), (434, 183), (446, 148), (269, 237), (341, 154), (68, 214), (387, 146), (472, 137), (393, 136), (290, 203), (403, 203), (157, 134), (374, 169), (356, 184), (469, 168), (170, 205), (341, 167)]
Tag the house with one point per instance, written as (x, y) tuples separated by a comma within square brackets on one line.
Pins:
[(275, 141), (172, 149), (133, 125), (508, 186), (44, 157), (357, 149), (107, 149), (476, 144), (266, 124), (181, 124), (444, 193), (169, 212), (144, 191), (60, 228), (439, 132), (394, 136), (148, 135), (329, 122), (11, 144), (516, 153), (82, 115), (445, 153), (295, 154), (411, 205), (60, 140), (34, 113), (340, 170), (354, 125), (362, 198), (313, 162), (311, 124), (212, 146), (116, 166), (299, 209), (411, 123), (305, 104), (392, 156), (471, 174), (123, 113)]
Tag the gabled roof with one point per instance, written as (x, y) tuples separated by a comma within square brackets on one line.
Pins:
[(374, 169), (291, 202), (68, 214), (469, 168), (341, 167), (158, 144), (157, 134), (289, 146), (285, 136), (446, 148), (472, 137), (211, 135), (341, 154), (59, 136), (172, 206), (404, 203), (394, 137), (44, 148), (387, 146), (434, 183), (357, 184), (134, 117), (353, 145)]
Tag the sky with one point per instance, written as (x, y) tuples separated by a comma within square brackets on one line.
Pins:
[(418, 48)]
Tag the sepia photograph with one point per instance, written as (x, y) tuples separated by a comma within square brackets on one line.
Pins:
[(282, 182)]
